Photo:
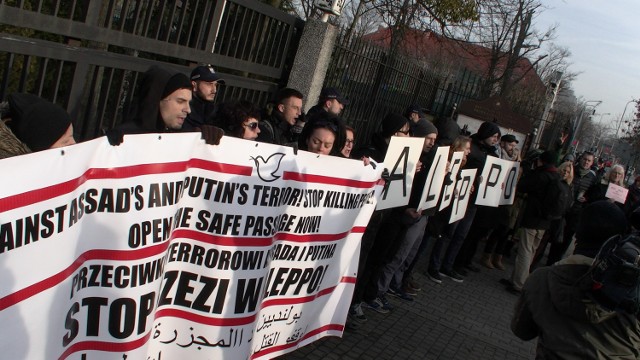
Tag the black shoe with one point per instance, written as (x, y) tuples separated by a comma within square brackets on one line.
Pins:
[(453, 275), (513, 290), (434, 276), (461, 271), (472, 268), (400, 294), (505, 282)]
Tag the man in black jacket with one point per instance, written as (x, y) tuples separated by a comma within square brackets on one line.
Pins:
[(205, 83), (278, 125), (535, 220)]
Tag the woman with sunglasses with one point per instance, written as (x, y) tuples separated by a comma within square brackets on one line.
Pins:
[(323, 134), (240, 119)]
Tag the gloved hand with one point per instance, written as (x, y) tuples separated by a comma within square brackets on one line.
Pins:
[(115, 136), (211, 134)]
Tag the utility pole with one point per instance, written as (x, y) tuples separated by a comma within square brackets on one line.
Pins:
[(579, 119), (552, 92)]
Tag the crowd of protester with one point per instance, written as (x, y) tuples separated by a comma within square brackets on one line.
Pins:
[(552, 198)]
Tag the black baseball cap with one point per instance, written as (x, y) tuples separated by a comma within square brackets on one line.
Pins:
[(205, 73), (509, 138), (333, 93)]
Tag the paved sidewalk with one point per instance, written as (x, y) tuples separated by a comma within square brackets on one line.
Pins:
[(468, 320)]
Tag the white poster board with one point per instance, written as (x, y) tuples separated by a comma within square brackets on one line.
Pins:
[(617, 193), (492, 186), (401, 161), (447, 193), (435, 179), (510, 183), (463, 189)]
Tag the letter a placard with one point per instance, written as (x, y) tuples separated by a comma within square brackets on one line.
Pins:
[(401, 162)]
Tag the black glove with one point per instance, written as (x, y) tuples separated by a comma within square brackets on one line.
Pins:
[(115, 136), (211, 134)]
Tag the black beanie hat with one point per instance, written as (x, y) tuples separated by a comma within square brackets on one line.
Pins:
[(37, 122), (487, 130), (423, 128), (392, 123), (177, 81), (598, 222), (548, 157)]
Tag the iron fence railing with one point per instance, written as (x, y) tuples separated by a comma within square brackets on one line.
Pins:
[(377, 83), (86, 55)]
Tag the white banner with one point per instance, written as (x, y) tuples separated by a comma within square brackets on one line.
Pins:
[(401, 161), (447, 193), (165, 247), (435, 179), (463, 189), (491, 188)]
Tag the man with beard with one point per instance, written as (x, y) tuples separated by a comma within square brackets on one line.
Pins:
[(205, 83)]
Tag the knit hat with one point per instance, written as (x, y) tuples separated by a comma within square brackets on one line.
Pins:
[(487, 130), (37, 122), (392, 123), (423, 128), (177, 81), (598, 222)]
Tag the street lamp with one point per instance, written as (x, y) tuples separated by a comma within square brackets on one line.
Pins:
[(620, 121)]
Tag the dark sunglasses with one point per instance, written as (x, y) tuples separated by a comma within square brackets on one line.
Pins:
[(406, 132), (252, 126)]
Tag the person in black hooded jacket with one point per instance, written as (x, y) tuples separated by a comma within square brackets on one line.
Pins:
[(482, 145), (161, 105)]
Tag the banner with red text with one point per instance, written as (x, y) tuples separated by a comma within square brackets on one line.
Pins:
[(167, 248)]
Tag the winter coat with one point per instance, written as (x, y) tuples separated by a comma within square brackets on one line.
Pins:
[(535, 185), (581, 185), (554, 306), (202, 113), (275, 130)]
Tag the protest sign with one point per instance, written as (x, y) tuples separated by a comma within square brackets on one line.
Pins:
[(435, 179), (183, 250), (463, 189), (492, 186), (617, 193), (401, 159), (447, 193), (510, 182)]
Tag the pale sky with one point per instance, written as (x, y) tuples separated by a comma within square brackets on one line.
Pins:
[(604, 40)]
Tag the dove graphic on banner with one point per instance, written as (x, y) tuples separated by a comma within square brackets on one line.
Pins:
[(263, 166)]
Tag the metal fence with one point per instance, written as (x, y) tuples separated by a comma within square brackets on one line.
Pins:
[(377, 83), (87, 55)]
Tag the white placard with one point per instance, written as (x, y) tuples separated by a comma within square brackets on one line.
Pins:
[(463, 189), (510, 182), (617, 193), (492, 186), (447, 194), (401, 159), (435, 178)]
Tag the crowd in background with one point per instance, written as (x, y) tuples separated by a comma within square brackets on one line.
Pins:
[(547, 215)]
